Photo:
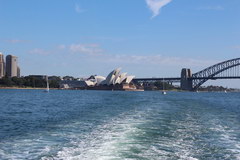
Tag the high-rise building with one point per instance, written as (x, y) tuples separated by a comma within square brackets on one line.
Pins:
[(18, 72), (2, 66), (11, 66)]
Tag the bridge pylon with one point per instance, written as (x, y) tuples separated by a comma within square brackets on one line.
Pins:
[(186, 81)]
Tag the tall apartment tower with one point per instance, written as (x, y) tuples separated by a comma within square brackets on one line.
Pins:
[(2, 66), (11, 66), (18, 72)]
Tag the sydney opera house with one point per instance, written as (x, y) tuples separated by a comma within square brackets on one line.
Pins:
[(114, 81)]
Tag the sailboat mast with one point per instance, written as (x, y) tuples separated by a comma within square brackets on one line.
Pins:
[(47, 83), (163, 91)]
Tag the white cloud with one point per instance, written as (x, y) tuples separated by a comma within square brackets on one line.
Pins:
[(39, 51), (62, 46), (78, 9), (91, 49), (16, 41), (88, 49), (216, 8), (237, 47), (158, 60), (96, 53), (156, 5)]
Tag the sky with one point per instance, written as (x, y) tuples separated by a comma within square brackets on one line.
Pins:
[(146, 38)]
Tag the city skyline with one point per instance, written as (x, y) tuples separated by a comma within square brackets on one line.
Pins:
[(9, 67), (148, 38)]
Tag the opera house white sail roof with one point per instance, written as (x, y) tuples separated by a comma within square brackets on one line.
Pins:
[(113, 78)]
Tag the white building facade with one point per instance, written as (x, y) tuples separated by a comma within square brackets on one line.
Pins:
[(2, 66)]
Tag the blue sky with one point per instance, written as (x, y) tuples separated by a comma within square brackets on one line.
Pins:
[(147, 38)]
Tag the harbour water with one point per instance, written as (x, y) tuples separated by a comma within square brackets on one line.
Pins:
[(106, 125)]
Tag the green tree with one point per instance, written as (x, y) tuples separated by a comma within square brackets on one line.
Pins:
[(5, 81)]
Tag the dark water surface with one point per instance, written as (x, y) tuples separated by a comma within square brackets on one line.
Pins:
[(106, 125)]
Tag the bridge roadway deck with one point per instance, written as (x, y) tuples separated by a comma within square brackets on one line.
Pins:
[(177, 79), (155, 79)]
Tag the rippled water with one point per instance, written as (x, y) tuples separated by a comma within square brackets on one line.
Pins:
[(106, 125)]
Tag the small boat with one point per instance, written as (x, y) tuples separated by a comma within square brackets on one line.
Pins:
[(47, 89)]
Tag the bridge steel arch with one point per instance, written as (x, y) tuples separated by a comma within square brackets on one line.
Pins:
[(202, 76)]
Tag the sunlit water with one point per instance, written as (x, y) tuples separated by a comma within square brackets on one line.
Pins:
[(106, 125)]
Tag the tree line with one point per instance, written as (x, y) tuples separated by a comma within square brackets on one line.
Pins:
[(29, 81), (158, 85)]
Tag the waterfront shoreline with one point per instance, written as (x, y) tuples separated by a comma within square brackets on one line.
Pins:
[(137, 90), (24, 88)]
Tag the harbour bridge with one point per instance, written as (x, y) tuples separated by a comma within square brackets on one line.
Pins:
[(229, 69)]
